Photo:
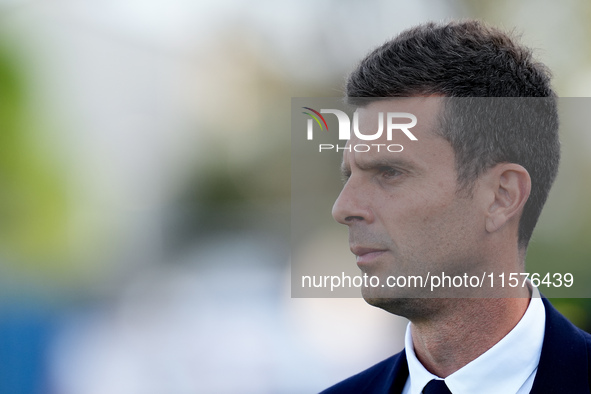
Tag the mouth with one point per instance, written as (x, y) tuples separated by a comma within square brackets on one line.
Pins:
[(366, 256)]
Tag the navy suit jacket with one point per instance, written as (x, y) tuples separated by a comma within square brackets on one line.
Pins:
[(564, 366)]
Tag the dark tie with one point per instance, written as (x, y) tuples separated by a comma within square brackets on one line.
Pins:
[(436, 387)]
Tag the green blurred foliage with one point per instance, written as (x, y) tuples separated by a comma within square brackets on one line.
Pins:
[(33, 204)]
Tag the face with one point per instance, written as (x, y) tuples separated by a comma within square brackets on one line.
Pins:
[(403, 210)]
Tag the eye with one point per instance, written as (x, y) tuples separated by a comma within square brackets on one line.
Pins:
[(389, 172)]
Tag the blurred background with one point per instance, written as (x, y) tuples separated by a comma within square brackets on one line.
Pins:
[(145, 188)]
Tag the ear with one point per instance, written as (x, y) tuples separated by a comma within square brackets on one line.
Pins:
[(510, 185)]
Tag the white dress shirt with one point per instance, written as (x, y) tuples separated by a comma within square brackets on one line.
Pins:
[(509, 366)]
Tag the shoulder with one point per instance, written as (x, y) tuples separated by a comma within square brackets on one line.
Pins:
[(378, 378), (565, 361), (563, 338), (558, 326)]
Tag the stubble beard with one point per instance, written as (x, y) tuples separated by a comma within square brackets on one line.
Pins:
[(414, 309)]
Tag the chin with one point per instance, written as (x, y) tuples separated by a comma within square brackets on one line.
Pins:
[(391, 301), (396, 306), (412, 308)]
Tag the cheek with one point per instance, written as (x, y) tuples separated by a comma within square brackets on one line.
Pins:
[(434, 222), (430, 207), (455, 234), (422, 212)]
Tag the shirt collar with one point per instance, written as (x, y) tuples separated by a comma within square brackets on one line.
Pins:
[(514, 358)]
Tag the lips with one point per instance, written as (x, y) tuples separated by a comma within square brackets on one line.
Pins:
[(367, 255)]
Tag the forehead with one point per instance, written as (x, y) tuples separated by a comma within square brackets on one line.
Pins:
[(429, 147), (426, 109)]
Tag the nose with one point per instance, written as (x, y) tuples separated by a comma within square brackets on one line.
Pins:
[(352, 205)]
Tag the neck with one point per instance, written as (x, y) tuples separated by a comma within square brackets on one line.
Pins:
[(465, 329)]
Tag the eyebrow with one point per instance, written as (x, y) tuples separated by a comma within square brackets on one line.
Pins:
[(377, 163)]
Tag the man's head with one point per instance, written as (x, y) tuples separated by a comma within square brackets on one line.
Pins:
[(405, 215), (465, 61)]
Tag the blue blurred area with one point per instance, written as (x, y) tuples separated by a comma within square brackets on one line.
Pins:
[(26, 334)]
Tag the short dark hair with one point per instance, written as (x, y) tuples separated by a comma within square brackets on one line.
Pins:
[(467, 60)]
